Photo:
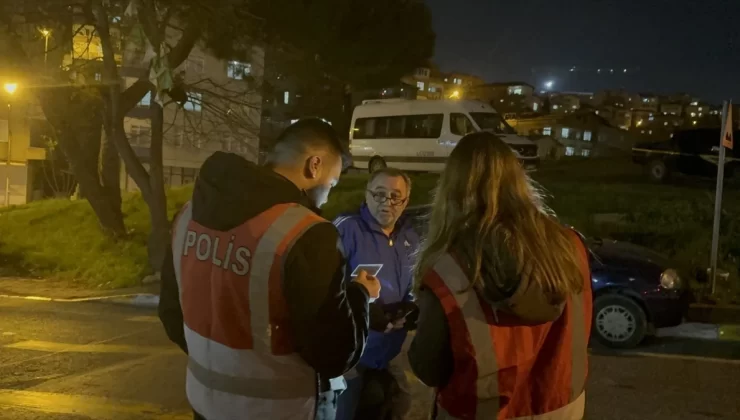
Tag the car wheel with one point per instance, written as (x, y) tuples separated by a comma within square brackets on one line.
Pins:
[(657, 170), (619, 322), (376, 163)]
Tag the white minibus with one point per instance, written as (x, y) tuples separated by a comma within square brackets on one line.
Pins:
[(418, 135)]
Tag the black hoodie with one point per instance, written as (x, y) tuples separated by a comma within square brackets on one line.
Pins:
[(329, 316)]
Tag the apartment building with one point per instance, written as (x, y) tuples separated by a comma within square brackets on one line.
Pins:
[(508, 98), (20, 157), (222, 113), (582, 134)]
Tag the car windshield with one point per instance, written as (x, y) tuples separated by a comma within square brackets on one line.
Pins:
[(490, 121)]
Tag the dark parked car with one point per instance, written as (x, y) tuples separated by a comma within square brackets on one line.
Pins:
[(635, 289), (690, 152)]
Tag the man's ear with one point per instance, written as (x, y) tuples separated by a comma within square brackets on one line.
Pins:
[(313, 167)]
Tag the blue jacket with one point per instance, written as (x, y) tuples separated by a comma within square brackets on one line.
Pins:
[(365, 243)]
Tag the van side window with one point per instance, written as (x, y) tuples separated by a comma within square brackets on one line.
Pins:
[(460, 124), (424, 126), (398, 127), (364, 128)]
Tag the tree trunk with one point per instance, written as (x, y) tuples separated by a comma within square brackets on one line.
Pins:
[(109, 214), (110, 165), (159, 237)]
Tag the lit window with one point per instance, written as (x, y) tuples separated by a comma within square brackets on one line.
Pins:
[(645, 100), (565, 132), (555, 107), (432, 89), (535, 106), (547, 131), (694, 122), (517, 90), (286, 97), (419, 85), (597, 112), (446, 80), (575, 106), (586, 136), (585, 152), (98, 77), (665, 123), (700, 109), (294, 121), (693, 114), (651, 118), (195, 102), (650, 132), (695, 103), (236, 70), (570, 151)]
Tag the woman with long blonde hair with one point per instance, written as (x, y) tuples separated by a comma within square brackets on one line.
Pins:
[(504, 295)]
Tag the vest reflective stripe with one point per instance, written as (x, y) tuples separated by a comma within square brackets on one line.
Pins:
[(260, 376), (474, 331), (581, 330), (477, 333), (573, 411)]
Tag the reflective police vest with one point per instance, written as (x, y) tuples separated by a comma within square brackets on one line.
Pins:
[(537, 373), (242, 358)]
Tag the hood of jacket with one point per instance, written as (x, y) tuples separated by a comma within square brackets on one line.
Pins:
[(504, 286), (231, 190)]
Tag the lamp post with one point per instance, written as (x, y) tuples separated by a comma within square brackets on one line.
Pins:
[(10, 88), (46, 33)]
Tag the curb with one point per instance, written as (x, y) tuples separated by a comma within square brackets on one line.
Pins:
[(702, 331), (139, 299)]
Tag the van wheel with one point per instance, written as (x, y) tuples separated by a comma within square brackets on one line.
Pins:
[(658, 171), (619, 322), (377, 163)]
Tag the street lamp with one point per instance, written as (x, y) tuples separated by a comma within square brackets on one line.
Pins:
[(10, 88), (549, 84), (46, 33)]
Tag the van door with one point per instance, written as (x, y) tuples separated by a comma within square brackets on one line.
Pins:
[(423, 133)]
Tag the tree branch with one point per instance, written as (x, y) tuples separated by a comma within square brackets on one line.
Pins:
[(190, 36)]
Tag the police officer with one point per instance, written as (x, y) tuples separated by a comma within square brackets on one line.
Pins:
[(254, 289)]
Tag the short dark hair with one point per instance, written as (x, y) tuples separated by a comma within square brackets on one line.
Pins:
[(304, 135), (391, 173)]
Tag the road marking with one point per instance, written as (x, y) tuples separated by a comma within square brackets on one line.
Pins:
[(144, 318), (46, 356), (671, 357), (50, 346), (88, 406)]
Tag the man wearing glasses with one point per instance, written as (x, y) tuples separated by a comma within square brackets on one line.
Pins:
[(380, 238)]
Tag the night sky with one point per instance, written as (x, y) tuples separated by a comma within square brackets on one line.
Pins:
[(690, 46)]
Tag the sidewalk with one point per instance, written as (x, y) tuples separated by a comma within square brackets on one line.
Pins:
[(60, 291)]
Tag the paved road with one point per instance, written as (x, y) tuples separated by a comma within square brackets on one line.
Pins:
[(82, 361)]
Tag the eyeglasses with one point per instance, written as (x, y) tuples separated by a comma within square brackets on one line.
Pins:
[(381, 198)]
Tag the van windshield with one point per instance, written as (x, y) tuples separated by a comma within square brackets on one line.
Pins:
[(490, 121)]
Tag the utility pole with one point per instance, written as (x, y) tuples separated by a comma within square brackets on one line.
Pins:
[(10, 88)]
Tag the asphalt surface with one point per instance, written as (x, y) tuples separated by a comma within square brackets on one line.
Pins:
[(81, 361)]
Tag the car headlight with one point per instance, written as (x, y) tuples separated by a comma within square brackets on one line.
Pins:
[(669, 279)]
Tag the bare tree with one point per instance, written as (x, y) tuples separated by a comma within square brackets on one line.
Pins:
[(80, 112)]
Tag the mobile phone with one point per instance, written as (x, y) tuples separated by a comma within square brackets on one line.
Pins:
[(371, 269)]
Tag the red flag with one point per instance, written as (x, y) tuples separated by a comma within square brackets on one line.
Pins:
[(727, 139)]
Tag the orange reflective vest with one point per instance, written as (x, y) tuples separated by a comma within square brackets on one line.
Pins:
[(242, 358), (507, 371)]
